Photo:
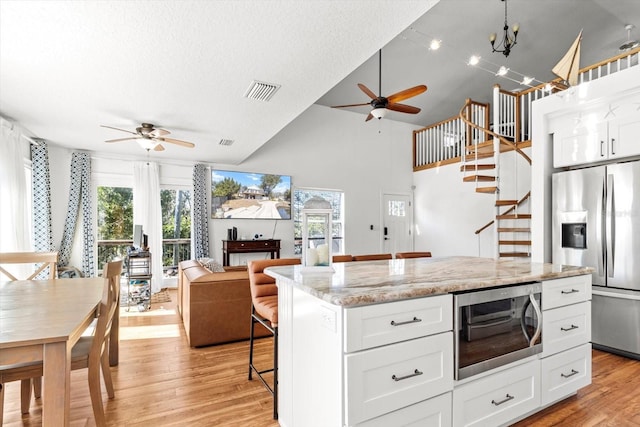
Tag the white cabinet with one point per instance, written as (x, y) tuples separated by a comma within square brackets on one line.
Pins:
[(566, 327), (565, 373), (435, 412), (388, 378), (605, 132), (396, 355), (499, 398)]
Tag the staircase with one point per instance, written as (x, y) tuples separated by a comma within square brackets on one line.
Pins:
[(481, 165)]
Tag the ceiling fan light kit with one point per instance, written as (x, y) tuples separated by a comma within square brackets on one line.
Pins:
[(508, 39), (629, 44)]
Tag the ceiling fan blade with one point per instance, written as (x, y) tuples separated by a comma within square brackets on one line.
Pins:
[(158, 132), (122, 130), (122, 139), (407, 93), (158, 147), (351, 105), (176, 141), (369, 117), (403, 108), (367, 91)]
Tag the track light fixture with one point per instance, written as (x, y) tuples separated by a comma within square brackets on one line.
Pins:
[(508, 39)]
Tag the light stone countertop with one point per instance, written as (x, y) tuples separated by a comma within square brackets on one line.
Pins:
[(370, 282)]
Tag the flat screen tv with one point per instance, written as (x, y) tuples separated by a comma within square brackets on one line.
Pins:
[(247, 195)]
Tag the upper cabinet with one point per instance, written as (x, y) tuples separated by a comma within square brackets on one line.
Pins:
[(599, 133)]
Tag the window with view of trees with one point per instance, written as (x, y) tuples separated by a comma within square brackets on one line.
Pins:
[(115, 225), (336, 198)]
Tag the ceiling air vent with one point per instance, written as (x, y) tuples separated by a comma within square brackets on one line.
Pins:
[(226, 142), (261, 90)]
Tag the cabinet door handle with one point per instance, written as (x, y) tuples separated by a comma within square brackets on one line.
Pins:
[(414, 374), (505, 400), (572, 291), (613, 141), (573, 372), (601, 148), (569, 329), (406, 322)]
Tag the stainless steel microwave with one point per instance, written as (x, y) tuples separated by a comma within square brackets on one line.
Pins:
[(496, 326)]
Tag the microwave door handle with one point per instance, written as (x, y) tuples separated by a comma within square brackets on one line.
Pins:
[(531, 301)]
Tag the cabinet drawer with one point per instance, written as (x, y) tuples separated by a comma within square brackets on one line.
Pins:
[(565, 291), (388, 378), (376, 325), (499, 398), (435, 412), (566, 327), (565, 373)]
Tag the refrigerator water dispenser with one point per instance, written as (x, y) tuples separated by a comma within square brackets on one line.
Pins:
[(574, 235)]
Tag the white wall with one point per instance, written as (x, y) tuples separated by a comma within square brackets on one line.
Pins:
[(330, 149), (448, 211)]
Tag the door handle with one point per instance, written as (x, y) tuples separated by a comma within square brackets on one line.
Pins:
[(386, 231)]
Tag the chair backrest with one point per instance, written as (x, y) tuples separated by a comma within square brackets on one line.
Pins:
[(45, 259), (108, 305), (342, 258), (261, 284), (404, 255), (371, 257)]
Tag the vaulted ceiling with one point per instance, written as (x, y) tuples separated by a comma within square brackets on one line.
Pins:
[(67, 67)]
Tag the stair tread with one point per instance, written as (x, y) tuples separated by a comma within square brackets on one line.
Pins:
[(506, 202), (480, 155), (514, 216), (486, 189), (514, 254), (514, 230), (482, 178), (515, 242), (474, 167)]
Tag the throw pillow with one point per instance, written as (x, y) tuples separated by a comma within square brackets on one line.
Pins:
[(211, 265)]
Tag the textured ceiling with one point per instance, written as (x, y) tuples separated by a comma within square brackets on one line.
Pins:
[(66, 67)]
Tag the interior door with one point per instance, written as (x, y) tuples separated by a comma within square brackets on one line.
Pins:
[(397, 220)]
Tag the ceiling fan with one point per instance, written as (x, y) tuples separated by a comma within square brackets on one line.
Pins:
[(149, 137), (381, 103)]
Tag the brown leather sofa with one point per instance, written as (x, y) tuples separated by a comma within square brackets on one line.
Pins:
[(215, 307)]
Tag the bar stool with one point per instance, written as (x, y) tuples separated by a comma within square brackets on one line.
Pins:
[(264, 310)]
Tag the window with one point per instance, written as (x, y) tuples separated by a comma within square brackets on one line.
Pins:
[(176, 228), (336, 198), (115, 222)]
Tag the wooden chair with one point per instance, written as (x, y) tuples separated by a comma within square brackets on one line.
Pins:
[(89, 352), (342, 258), (45, 259), (264, 310), (404, 255), (371, 257)]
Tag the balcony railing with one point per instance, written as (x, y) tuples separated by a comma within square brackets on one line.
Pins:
[(173, 252)]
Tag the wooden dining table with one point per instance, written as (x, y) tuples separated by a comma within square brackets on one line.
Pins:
[(41, 320)]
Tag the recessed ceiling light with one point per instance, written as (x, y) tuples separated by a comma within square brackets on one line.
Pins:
[(435, 44), (474, 60)]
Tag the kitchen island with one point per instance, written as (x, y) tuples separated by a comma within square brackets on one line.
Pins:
[(372, 344)]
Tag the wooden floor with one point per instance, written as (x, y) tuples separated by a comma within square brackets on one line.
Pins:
[(160, 381)]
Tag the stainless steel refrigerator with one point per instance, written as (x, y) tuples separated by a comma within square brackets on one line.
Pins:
[(596, 223)]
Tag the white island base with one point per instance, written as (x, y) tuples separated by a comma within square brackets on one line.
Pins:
[(348, 366)]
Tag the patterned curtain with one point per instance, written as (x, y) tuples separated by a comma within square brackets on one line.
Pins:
[(200, 225), (80, 191), (41, 188)]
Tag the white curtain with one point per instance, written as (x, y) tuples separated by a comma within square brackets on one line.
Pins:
[(148, 213), (15, 233)]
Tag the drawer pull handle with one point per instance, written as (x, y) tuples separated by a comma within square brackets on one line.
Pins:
[(573, 372), (414, 320), (505, 400), (569, 329), (415, 374), (572, 291)]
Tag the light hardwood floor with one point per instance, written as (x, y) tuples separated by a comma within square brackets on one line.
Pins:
[(160, 381)]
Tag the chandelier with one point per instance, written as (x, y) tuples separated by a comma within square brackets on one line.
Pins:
[(508, 39)]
